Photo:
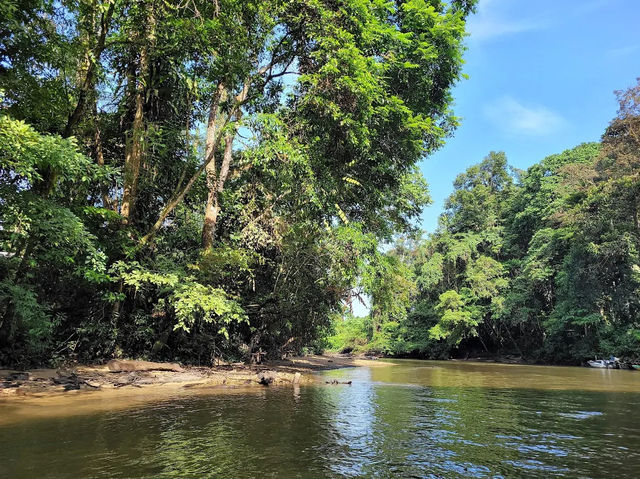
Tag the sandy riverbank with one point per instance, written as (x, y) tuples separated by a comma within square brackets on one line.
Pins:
[(38, 383)]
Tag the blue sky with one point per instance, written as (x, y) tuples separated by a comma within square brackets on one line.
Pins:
[(542, 76)]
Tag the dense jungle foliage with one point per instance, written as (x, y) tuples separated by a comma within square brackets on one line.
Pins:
[(542, 264), (200, 179)]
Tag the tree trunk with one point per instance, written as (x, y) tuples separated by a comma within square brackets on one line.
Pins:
[(215, 129), (216, 186), (215, 182), (210, 161), (99, 157), (136, 143), (87, 86), (210, 218), (637, 218), (134, 152)]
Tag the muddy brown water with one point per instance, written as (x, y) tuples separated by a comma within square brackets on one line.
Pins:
[(412, 419)]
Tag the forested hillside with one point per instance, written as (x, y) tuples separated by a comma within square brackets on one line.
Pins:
[(202, 179), (543, 263)]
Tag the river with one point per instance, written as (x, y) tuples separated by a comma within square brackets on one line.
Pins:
[(411, 419)]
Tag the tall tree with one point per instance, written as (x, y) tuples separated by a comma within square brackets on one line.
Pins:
[(245, 157)]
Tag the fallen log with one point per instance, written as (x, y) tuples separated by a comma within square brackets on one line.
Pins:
[(117, 366)]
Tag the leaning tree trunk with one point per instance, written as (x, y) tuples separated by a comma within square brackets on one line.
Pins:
[(215, 130)]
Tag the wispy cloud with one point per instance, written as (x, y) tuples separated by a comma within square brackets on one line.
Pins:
[(513, 117), (497, 18), (493, 20), (623, 51)]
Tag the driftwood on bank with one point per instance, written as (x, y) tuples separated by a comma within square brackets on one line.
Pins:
[(72, 382), (117, 366), (137, 374), (267, 377)]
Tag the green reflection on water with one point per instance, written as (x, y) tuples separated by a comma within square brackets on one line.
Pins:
[(414, 419)]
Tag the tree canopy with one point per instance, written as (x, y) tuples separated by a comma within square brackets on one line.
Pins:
[(195, 179), (542, 264)]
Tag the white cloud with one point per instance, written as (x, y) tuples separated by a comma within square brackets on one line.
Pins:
[(492, 20), (516, 118)]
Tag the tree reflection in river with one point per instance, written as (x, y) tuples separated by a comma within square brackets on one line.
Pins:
[(414, 419)]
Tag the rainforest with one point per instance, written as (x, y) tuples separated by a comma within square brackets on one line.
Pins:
[(198, 181)]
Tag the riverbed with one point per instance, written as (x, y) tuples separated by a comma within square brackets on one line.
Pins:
[(411, 419)]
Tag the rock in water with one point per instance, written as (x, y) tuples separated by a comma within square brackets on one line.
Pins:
[(266, 377), (116, 365)]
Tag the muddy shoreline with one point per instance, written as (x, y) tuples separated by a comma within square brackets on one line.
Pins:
[(76, 379)]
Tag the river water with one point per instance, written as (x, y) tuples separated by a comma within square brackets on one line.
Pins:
[(412, 419)]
